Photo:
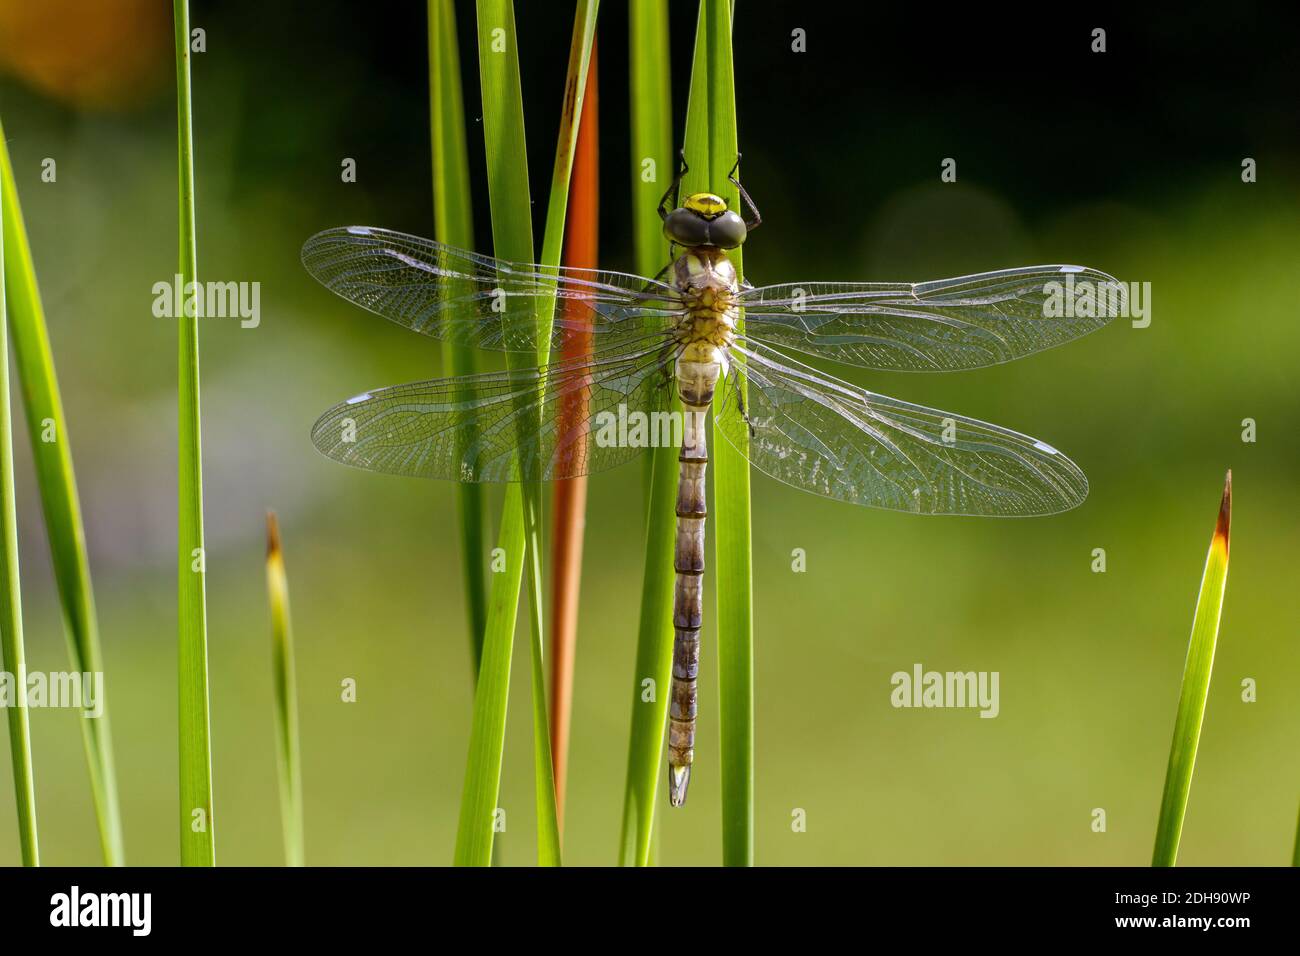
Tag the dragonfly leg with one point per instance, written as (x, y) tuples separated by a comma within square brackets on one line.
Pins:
[(662, 273), (666, 364), (740, 405), (756, 219), (673, 192)]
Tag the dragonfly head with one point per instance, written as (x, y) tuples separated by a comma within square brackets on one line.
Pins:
[(705, 220)]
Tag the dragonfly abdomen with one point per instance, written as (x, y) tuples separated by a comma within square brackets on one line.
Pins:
[(695, 385)]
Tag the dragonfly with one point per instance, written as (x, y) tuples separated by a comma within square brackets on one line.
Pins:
[(682, 333)]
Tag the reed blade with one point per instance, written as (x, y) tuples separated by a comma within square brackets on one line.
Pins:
[(197, 827), (653, 166), (454, 225), (1195, 688), (60, 504), (479, 813), (711, 151), (512, 240), (581, 251), (288, 752), (12, 651)]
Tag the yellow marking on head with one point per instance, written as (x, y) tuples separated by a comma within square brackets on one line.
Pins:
[(708, 205)]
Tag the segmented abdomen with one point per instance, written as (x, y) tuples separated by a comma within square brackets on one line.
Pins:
[(695, 384)]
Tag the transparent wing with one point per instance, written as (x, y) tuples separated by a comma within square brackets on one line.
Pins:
[(838, 440), (556, 421), (451, 294), (944, 325)]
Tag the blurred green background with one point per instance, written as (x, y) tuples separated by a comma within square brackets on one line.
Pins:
[(1128, 161)]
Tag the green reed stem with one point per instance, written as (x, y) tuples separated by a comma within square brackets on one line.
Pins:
[(12, 654), (454, 225), (198, 847), (288, 750), (653, 167), (51, 454), (1195, 688), (711, 151), (512, 240)]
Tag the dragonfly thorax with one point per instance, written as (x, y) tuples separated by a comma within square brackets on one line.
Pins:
[(707, 281)]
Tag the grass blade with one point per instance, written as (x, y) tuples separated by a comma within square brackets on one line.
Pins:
[(581, 251), (1196, 686), (478, 802), (548, 816), (711, 150), (653, 161), (198, 846), (11, 605), (512, 239), (286, 696), (652, 141), (654, 658), (454, 225), (59, 501), (503, 132)]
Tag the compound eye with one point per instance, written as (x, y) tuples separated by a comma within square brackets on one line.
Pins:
[(686, 228), (728, 230)]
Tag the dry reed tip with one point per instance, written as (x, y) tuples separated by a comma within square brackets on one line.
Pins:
[(272, 536), (1224, 526)]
